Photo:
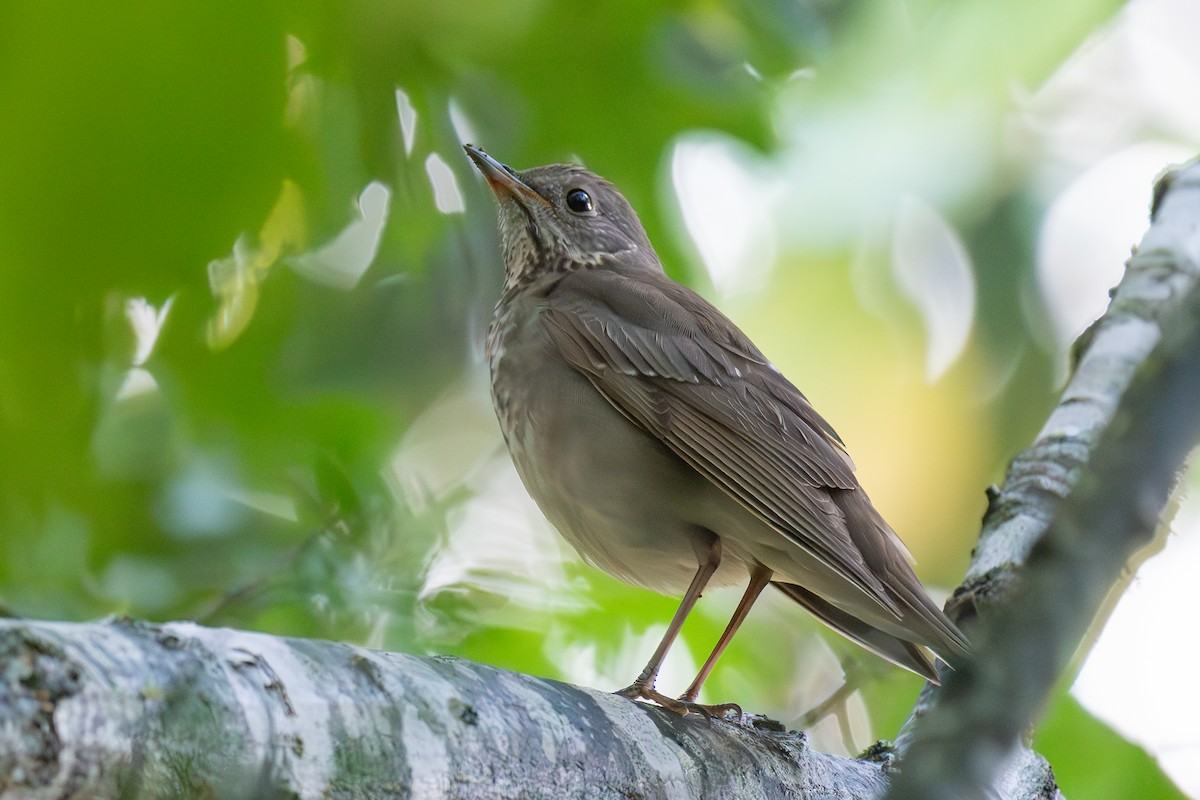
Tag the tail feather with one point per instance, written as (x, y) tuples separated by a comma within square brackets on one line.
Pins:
[(947, 639), (912, 657), (920, 621)]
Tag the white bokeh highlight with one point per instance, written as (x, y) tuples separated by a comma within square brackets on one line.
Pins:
[(341, 262), (1089, 230), (726, 198), (933, 270), (407, 115), (1140, 677), (446, 194)]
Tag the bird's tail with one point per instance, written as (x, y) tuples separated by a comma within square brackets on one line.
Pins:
[(913, 657)]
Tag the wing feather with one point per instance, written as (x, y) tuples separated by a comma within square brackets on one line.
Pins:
[(716, 402)]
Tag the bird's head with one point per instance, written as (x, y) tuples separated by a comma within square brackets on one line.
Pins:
[(561, 217)]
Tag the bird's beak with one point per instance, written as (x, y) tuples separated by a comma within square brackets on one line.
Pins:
[(504, 181)]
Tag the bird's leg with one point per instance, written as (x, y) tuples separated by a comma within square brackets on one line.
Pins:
[(708, 552), (760, 576)]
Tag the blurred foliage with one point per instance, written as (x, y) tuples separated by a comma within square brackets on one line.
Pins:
[(1092, 761), (305, 446)]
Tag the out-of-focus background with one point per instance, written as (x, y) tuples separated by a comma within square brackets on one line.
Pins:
[(245, 271)]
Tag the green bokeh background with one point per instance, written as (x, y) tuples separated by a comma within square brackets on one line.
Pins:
[(255, 482)]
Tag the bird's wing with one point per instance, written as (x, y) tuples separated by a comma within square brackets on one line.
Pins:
[(676, 367)]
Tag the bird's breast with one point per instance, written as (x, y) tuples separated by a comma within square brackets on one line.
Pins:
[(618, 495)]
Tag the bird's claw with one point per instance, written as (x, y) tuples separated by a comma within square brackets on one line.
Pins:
[(639, 691)]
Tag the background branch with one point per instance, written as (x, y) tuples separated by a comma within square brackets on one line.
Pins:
[(1113, 447)]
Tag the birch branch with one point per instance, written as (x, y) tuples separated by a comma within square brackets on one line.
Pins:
[(1075, 508), (132, 710)]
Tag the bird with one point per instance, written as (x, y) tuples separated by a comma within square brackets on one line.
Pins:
[(666, 448)]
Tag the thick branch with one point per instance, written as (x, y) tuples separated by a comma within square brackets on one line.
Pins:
[(123, 709), (1126, 423)]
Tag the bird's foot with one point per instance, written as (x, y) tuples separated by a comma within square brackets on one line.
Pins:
[(641, 691), (715, 710)]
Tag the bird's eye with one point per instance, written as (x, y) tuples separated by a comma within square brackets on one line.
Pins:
[(579, 201)]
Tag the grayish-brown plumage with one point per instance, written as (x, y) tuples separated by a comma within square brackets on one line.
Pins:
[(665, 447)]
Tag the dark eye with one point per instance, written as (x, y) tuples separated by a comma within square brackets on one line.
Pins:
[(579, 201)]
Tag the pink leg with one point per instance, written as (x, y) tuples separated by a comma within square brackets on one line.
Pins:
[(759, 578), (709, 554)]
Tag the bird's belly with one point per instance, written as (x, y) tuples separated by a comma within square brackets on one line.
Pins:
[(622, 499)]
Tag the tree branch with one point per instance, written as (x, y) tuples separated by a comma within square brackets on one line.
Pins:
[(1113, 449), (126, 709)]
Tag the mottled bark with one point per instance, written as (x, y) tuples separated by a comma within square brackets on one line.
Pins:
[(131, 710), (1075, 508)]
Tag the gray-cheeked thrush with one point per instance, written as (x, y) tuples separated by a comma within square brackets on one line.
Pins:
[(665, 447)]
